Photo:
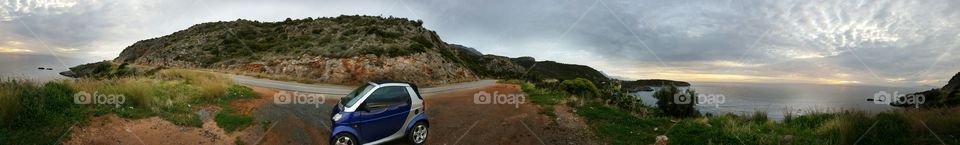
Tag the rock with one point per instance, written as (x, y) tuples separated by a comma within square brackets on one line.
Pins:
[(69, 74), (662, 140), (787, 140)]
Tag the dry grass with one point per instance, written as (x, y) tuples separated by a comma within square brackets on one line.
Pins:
[(9, 90), (167, 87), (211, 85)]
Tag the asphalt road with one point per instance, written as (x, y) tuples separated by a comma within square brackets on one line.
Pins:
[(342, 90)]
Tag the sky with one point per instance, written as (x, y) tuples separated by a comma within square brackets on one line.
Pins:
[(875, 42)]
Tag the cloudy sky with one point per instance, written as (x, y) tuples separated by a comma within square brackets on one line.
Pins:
[(875, 42)]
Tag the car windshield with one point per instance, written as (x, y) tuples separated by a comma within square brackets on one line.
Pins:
[(352, 98)]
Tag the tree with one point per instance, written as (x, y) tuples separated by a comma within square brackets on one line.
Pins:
[(675, 102)]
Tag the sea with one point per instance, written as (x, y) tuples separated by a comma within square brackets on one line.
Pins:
[(25, 66), (778, 99)]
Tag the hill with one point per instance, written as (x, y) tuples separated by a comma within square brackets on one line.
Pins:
[(338, 50), (946, 96)]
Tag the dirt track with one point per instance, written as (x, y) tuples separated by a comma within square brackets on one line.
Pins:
[(454, 117)]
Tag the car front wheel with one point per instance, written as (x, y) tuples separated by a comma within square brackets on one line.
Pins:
[(344, 139), (418, 134)]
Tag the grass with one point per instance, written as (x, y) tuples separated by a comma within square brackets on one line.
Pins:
[(32, 113), (619, 127), (616, 126), (228, 118), (40, 114), (172, 94), (545, 99)]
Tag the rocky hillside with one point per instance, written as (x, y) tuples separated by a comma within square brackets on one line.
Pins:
[(946, 96), (341, 50)]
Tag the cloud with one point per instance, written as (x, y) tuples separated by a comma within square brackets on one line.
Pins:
[(887, 42), (67, 50)]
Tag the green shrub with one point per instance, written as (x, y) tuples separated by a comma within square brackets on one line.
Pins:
[(580, 86), (670, 101)]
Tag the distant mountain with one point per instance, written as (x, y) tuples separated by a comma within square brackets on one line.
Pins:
[(946, 96), (653, 83), (561, 71)]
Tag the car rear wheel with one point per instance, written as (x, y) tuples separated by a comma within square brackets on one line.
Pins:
[(418, 134), (344, 139)]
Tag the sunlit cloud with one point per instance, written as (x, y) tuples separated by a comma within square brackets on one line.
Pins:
[(13, 50), (67, 50)]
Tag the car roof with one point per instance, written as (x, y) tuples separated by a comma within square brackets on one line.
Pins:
[(388, 82)]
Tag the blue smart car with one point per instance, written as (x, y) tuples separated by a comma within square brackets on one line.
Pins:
[(380, 111)]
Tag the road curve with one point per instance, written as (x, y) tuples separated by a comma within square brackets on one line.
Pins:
[(342, 90)]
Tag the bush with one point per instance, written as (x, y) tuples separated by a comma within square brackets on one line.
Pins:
[(581, 87), (670, 101)]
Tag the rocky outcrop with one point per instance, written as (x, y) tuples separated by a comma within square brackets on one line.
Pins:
[(946, 96), (953, 84)]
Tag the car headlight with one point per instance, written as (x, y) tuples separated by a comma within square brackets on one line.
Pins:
[(337, 117)]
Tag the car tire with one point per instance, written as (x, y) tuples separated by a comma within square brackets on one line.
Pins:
[(344, 139), (418, 133)]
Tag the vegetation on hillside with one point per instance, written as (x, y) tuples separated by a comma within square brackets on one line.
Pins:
[(245, 40), (39, 113), (944, 97), (554, 70)]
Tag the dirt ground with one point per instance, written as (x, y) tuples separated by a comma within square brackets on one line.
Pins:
[(454, 119)]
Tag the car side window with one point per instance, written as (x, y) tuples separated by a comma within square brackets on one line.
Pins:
[(386, 96)]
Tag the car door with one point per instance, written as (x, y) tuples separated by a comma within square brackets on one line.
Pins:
[(387, 109)]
